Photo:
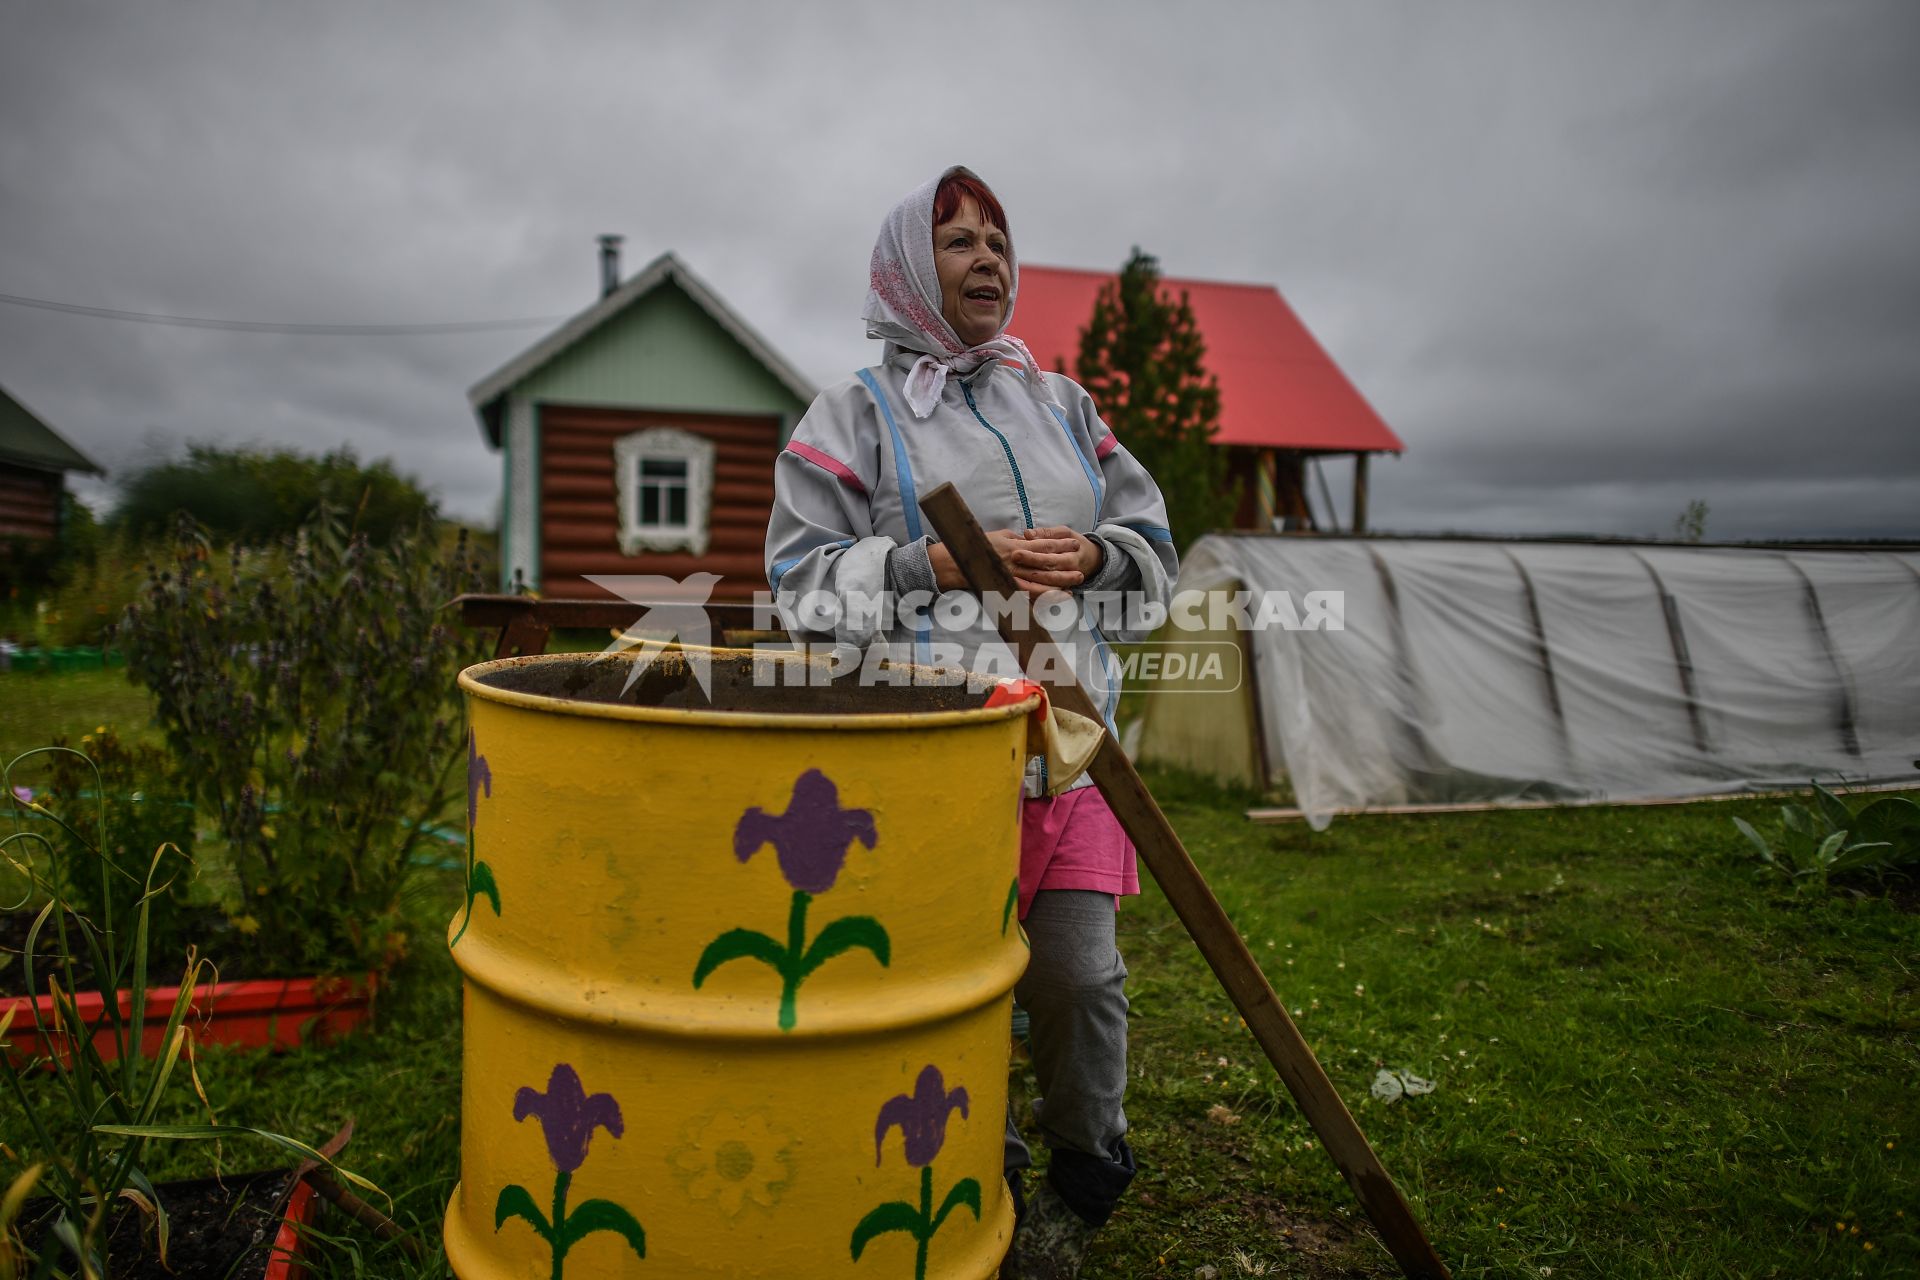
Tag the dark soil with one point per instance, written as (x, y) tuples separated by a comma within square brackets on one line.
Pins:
[(219, 1229)]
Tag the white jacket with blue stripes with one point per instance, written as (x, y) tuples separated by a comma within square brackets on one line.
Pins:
[(846, 516)]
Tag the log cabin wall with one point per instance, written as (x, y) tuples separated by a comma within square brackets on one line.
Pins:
[(580, 526), (29, 503)]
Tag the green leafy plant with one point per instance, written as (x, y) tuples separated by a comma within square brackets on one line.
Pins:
[(308, 693), (87, 1172), (91, 1098), (1827, 840), (145, 805)]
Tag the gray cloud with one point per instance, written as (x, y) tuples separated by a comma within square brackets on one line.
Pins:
[(1590, 261)]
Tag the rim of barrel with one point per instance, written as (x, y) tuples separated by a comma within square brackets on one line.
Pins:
[(471, 682)]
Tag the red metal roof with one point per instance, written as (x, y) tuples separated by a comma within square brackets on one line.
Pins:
[(1278, 388)]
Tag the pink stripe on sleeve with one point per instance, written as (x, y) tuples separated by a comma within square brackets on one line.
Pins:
[(1106, 446), (827, 463)]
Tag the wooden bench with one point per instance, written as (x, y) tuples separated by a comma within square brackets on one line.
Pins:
[(524, 624)]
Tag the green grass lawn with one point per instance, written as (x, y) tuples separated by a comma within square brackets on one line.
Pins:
[(34, 706), (1645, 1063)]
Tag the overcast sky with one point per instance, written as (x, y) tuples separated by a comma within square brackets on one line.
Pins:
[(1590, 261)]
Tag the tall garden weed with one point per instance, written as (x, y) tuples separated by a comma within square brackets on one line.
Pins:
[(96, 1069), (307, 690)]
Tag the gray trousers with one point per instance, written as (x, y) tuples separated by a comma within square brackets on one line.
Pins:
[(1073, 993)]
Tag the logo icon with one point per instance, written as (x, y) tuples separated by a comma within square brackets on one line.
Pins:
[(673, 611)]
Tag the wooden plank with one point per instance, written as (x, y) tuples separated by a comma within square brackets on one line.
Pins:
[(677, 564), (723, 521), (1279, 817), (524, 615), (1359, 521), (740, 534), (1219, 942), (570, 433)]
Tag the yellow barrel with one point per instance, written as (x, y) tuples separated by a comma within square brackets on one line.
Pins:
[(738, 973)]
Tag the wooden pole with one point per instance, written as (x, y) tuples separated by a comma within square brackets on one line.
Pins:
[(1219, 942), (1359, 520)]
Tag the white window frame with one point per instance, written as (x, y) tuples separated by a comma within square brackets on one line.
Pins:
[(663, 443)]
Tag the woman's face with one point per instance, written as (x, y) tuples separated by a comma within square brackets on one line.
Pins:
[(970, 254)]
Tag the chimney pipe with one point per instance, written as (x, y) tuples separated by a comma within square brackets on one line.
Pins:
[(609, 264)]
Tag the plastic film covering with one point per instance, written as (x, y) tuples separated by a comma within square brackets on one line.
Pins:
[(1486, 671)]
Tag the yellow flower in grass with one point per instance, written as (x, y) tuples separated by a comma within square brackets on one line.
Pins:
[(733, 1159)]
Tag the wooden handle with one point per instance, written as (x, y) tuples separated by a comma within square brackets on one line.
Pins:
[(1225, 951)]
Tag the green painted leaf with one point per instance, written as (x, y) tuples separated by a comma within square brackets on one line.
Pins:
[(516, 1202), (739, 944), (843, 935), (605, 1215), (1013, 900), (481, 882), (897, 1215), (965, 1192)]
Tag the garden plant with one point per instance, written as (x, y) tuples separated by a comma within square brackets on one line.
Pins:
[(1826, 840), (307, 690), (86, 1172)]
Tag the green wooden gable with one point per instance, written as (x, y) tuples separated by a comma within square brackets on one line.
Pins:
[(663, 340)]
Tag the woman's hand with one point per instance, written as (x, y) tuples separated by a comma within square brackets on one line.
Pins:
[(1040, 560)]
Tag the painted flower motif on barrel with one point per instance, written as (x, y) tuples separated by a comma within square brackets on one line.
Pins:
[(921, 1117), (811, 838), (480, 881), (735, 1159), (568, 1116)]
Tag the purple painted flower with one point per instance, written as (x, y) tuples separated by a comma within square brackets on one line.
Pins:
[(922, 1118), (568, 1116), (479, 776), (23, 794), (812, 837)]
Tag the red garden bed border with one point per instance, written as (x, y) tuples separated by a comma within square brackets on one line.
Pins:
[(287, 1261), (259, 1013)]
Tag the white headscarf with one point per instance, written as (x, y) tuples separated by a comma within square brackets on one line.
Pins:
[(903, 305)]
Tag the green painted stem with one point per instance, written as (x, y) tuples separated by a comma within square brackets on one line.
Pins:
[(790, 974), (560, 1241), (925, 1234)]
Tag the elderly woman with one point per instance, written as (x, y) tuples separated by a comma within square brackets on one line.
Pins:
[(955, 398)]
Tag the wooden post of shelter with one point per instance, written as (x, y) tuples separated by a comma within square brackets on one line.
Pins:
[(1359, 493)]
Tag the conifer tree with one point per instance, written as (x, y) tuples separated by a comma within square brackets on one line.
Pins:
[(1143, 361)]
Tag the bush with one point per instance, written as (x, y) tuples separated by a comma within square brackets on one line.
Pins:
[(308, 692), (253, 496)]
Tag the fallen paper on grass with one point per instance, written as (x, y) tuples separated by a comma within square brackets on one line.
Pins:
[(1388, 1086)]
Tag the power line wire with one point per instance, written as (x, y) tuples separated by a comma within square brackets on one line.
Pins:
[(269, 326)]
